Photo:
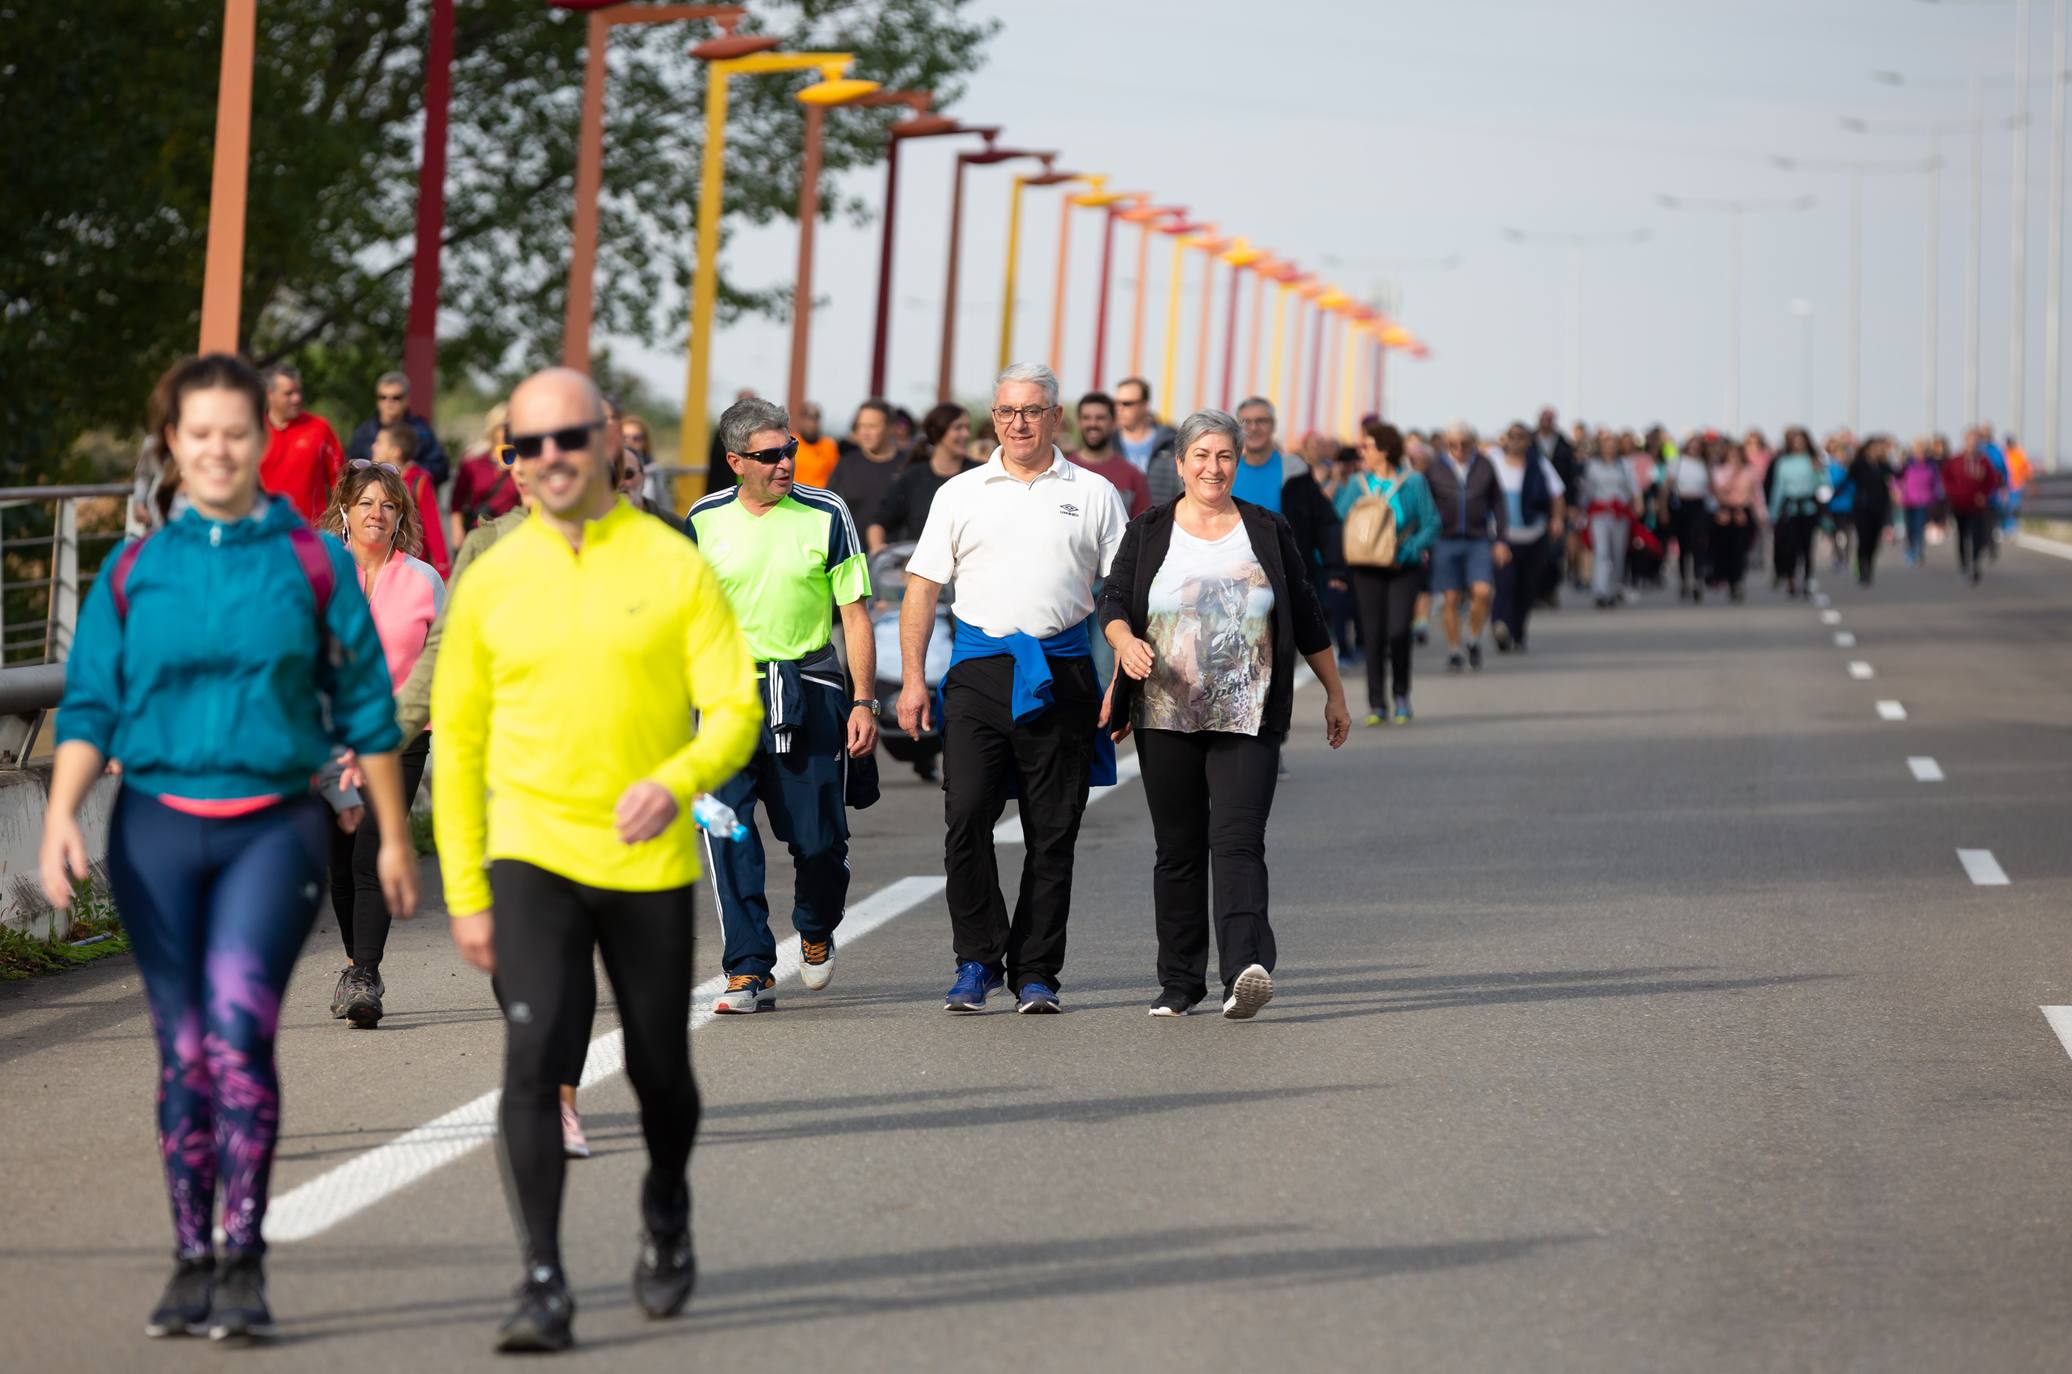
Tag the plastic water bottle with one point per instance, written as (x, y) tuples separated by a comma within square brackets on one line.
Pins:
[(717, 819)]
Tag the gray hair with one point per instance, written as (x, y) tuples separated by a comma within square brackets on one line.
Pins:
[(1208, 422), (1251, 401), (1036, 374), (393, 379), (745, 418), (280, 370)]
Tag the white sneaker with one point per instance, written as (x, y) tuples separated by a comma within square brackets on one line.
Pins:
[(816, 963), (746, 992), (1252, 990), (574, 1143)]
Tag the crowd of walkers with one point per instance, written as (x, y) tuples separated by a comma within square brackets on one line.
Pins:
[(604, 692)]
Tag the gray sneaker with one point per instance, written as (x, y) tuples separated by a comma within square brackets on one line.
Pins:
[(343, 992), (363, 1002)]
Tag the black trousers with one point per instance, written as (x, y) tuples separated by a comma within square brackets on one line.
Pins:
[(1974, 539), (1795, 538), (1693, 526), (363, 914), (986, 759), (1515, 582), (1385, 599), (1870, 533), (1728, 549), (547, 928), (1209, 793)]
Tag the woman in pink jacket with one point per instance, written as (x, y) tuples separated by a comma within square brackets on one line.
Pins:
[(1920, 487), (373, 513)]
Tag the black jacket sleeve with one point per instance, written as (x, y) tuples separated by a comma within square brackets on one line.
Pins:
[(1122, 577), (1312, 631)]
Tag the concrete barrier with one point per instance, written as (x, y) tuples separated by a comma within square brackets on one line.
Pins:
[(23, 794)]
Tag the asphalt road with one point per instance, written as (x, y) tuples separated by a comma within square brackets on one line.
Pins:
[(1636, 1012)]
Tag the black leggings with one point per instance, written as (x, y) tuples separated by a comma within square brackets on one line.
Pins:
[(363, 914), (1209, 792), (1728, 550), (1795, 539), (547, 928), (1385, 600), (1870, 533), (1515, 584), (1693, 523)]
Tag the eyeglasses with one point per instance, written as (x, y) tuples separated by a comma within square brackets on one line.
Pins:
[(362, 464), (1126, 401), (771, 457), (1007, 415), (574, 439), (1257, 421), (391, 396)]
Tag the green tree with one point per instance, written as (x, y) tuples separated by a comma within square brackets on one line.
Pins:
[(108, 110)]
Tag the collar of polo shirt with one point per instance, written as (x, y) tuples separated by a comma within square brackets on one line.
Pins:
[(1060, 467)]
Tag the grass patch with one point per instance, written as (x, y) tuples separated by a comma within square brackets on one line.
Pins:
[(94, 932)]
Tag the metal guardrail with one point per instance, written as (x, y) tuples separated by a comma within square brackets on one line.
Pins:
[(46, 565), (2049, 497)]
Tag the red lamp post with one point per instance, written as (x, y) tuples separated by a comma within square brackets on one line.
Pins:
[(921, 125), (817, 98), (223, 269), (983, 157), (1144, 217)]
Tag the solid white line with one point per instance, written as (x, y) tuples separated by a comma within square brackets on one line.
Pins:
[(1982, 868), (1127, 766), (1830, 617), (2060, 1019), (1924, 768), (1844, 640), (1861, 671), (316, 1206), (2056, 548), (1891, 710)]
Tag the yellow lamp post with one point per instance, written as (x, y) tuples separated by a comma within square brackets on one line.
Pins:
[(1183, 237), (1210, 246), (1287, 277), (697, 420), (818, 98), (1095, 197), (1047, 177), (1240, 256)]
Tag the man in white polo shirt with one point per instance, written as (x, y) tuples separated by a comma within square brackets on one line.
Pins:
[(1024, 537)]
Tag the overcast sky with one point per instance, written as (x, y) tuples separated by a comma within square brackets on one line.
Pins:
[(1370, 140)]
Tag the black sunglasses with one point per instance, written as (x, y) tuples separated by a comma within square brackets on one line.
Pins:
[(770, 457), (574, 439)]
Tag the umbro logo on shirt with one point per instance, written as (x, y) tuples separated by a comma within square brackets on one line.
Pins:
[(1067, 508)]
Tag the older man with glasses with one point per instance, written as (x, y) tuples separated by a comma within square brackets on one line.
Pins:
[(392, 407), (1024, 537), (786, 554), (1472, 532)]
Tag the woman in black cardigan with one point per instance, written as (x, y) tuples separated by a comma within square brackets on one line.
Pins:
[(1207, 604)]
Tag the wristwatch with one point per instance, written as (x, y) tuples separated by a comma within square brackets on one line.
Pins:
[(865, 704)]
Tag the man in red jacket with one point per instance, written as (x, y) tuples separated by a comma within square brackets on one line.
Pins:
[(1969, 481), (303, 456)]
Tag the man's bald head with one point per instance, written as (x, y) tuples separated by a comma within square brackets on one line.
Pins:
[(555, 398)]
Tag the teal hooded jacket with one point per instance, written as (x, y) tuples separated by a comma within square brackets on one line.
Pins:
[(217, 683)]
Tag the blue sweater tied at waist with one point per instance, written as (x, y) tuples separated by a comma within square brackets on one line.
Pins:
[(1032, 680)]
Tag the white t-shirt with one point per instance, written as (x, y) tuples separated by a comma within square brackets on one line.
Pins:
[(1024, 555), (1209, 621), (1512, 480)]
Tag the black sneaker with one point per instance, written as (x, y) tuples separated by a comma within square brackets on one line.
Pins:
[(183, 1309), (1454, 663), (544, 1321), (363, 1002), (239, 1311), (1173, 1002), (664, 1274), (1475, 655), (342, 993)]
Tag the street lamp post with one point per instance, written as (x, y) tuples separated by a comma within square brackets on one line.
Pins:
[(223, 270), (1095, 197), (1049, 176), (921, 125), (1734, 210), (1286, 276), (1240, 256), (1326, 302), (579, 301), (1145, 218), (982, 157), (1575, 244), (1262, 272), (2018, 255), (818, 98), (1116, 207), (726, 63), (1181, 231), (421, 328), (1210, 246)]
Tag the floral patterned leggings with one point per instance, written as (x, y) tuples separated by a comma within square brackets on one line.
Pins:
[(216, 911)]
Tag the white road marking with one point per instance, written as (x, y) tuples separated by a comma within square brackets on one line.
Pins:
[(1982, 868), (1924, 768), (1861, 671), (1009, 831), (1891, 710), (2055, 547), (1844, 640), (2060, 1019), (1822, 600), (1830, 617), (314, 1207)]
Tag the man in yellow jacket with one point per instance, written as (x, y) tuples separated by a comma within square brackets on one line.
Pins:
[(575, 654)]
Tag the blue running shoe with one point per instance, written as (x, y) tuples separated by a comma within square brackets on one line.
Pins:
[(1038, 999), (974, 981)]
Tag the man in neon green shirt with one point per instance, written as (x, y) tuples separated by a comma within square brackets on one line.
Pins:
[(786, 555)]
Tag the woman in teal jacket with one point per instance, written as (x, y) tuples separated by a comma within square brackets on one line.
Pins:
[(220, 660), (1795, 515), (1384, 599)]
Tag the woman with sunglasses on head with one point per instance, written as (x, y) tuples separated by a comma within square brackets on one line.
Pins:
[(221, 707), (383, 531), (901, 515)]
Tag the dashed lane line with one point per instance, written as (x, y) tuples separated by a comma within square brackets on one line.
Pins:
[(2060, 1019), (314, 1207), (1830, 617), (1891, 710), (1982, 868), (1924, 769), (1861, 671), (1844, 640)]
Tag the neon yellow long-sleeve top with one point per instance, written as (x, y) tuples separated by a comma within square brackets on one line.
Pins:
[(564, 678)]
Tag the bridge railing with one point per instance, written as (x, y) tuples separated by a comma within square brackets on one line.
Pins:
[(53, 541), (2049, 497)]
